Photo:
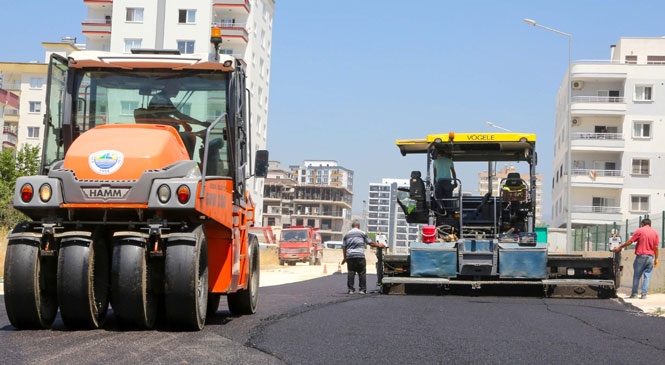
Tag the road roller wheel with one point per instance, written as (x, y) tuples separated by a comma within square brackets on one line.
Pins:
[(83, 281), (29, 284), (133, 299), (244, 301), (186, 281), (213, 304)]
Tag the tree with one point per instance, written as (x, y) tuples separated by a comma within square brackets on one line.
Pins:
[(14, 164)]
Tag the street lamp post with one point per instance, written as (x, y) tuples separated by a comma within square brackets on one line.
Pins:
[(497, 126), (364, 216), (567, 125)]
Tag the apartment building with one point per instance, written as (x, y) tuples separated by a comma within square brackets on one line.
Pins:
[(9, 104), (318, 193), (385, 216), (278, 193), (246, 26), (500, 175), (616, 135), (24, 124), (26, 85)]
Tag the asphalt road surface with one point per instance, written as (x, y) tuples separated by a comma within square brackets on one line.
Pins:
[(316, 322)]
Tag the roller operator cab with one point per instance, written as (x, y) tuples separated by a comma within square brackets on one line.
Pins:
[(142, 198), (489, 239)]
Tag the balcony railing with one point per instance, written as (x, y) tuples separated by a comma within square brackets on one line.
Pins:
[(597, 99), (96, 26), (597, 173), (598, 136), (596, 209)]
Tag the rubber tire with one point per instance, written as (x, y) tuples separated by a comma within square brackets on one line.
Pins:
[(245, 301), (31, 299), (133, 299), (186, 282), (83, 283), (213, 304)]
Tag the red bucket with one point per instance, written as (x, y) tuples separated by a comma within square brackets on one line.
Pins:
[(429, 234)]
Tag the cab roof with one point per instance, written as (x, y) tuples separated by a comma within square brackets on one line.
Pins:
[(155, 59), (475, 146)]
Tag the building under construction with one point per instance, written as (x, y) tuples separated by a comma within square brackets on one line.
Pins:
[(318, 193)]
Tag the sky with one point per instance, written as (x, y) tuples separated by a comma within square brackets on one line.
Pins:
[(348, 78)]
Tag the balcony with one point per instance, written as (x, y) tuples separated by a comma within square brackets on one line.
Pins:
[(232, 7), (598, 105), (588, 215), (598, 141), (9, 138), (98, 3), (9, 99), (11, 116), (97, 28), (235, 33), (590, 178)]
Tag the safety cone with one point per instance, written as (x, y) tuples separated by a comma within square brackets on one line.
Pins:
[(339, 268), (325, 268)]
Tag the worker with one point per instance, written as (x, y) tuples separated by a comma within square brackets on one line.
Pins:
[(353, 250), (445, 179), (382, 239), (646, 256), (161, 106)]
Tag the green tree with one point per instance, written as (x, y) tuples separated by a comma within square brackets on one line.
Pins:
[(14, 164)]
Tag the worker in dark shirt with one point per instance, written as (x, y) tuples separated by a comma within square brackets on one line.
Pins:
[(353, 247)]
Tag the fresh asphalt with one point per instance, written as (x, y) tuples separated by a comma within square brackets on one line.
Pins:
[(315, 322)]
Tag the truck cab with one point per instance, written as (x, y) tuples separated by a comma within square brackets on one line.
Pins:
[(300, 244)]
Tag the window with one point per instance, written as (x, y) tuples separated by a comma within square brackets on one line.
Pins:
[(598, 204), (33, 132), (134, 15), (655, 60), (642, 129), (227, 51), (643, 93), (35, 107), (263, 39), (36, 83), (132, 44), (266, 13), (631, 59), (640, 167), (639, 203), (186, 16), (611, 96), (128, 107), (186, 47)]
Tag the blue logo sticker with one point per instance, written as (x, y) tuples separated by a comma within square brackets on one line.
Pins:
[(106, 162)]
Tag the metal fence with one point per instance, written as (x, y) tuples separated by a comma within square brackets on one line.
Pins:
[(596, 238)]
